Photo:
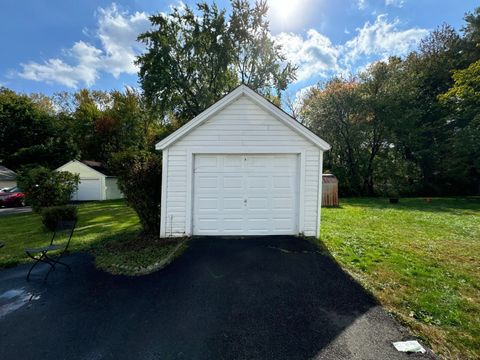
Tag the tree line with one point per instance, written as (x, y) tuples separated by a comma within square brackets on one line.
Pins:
[(405, 125)]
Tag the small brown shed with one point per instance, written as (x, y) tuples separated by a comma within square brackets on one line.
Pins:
[(330, 190)]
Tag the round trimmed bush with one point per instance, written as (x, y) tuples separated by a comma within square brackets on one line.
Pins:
[(52, 215)]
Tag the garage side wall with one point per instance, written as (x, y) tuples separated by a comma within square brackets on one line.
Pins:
[(242, 124), (112, 190)]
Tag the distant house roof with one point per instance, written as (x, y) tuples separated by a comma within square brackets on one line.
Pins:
[(98, 166), (7, 174)]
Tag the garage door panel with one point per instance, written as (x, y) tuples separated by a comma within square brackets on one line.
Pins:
[(245, 194), (208, 204), (258, 182), (283, 203), (282, 182), (232, 163), (258, 223), (233, 182), (233, 204), (284, 164), (207, 182), (206, 163), (233, 225), (207, 225), (257, 162), (257, 203)]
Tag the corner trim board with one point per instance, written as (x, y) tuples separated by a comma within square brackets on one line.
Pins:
[(163, 201)]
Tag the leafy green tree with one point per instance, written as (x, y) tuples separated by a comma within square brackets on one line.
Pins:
[(333, 112), (186, 65), (107, 122), (194, 58), (365, 120), (422, 129), (379, 110), (471, 36), (44, 187), (463, 100), (88, 110), (30, 134), (139, 178), (257, 58)]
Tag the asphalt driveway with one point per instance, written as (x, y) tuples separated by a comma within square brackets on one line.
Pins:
[(257, 298), (14, 210)]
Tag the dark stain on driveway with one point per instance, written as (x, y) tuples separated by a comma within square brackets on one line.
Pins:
[(224, 298)]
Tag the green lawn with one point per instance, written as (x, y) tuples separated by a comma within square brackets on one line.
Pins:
[(421, 260), (96, 221)]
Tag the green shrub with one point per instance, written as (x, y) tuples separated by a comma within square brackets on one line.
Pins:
[(139, 178), (52, 215), (44, 187)]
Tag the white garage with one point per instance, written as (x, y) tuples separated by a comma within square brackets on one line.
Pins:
[(8, 178), (242, 167), (96, 181)]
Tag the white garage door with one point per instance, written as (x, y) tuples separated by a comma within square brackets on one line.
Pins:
[(245, 194), (88, 189)]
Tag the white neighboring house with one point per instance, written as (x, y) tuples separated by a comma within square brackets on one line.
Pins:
[(8, 178), (96, 182), (241, 167)]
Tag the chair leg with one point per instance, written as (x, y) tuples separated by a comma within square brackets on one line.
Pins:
[(56, 261), (31, 268), (42, 258), (48, 273)]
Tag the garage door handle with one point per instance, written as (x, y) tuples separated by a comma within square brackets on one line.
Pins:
[(245, 201)]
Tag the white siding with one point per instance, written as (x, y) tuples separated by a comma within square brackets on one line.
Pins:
[(242, 124), (7, 183)]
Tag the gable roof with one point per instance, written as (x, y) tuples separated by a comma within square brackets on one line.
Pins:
[(96, 166), (243, 90), (7, 174)]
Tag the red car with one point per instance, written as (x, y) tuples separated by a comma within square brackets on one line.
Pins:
[(12, 197)]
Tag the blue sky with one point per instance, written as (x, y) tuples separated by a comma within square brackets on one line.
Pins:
[(63, 45)]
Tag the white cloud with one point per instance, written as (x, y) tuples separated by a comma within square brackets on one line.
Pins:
[(314, 54), (396, 3), (300, 96), (362, 4), (116, 32), (381, 39)]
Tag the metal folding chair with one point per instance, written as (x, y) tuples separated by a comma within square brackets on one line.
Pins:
[(40, 255)]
